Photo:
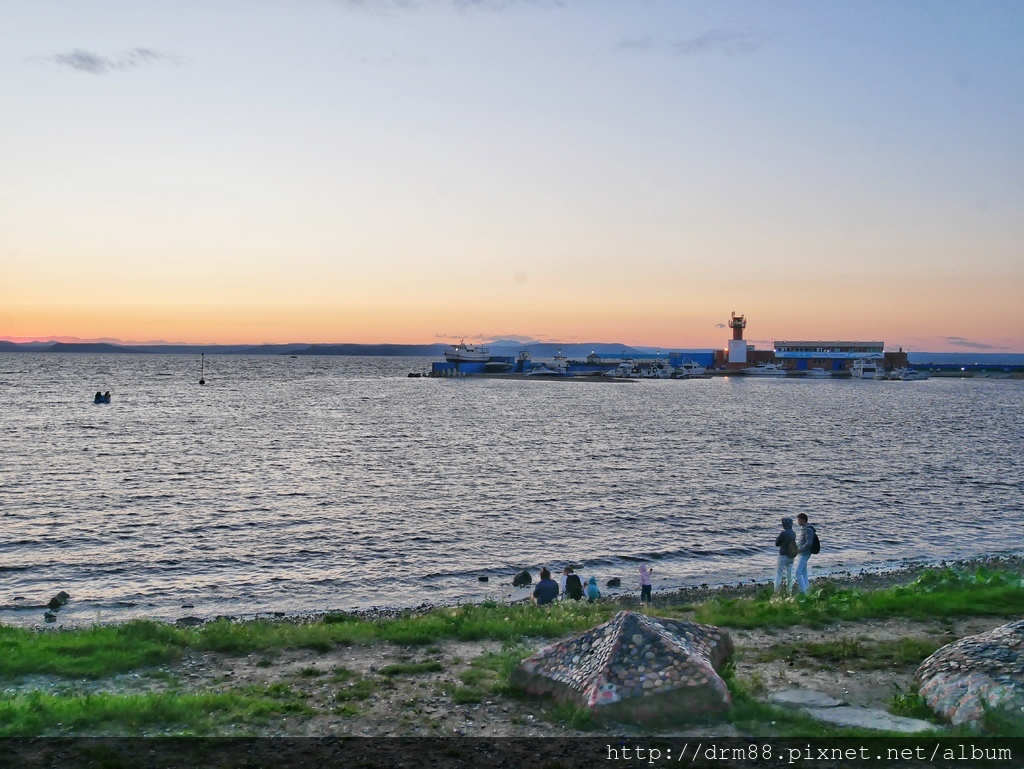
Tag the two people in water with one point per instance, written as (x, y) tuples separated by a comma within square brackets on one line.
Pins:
[(102, 397)]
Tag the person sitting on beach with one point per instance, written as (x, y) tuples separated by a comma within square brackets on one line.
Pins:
[(785, 540), (573, 585), (804, 540), (645, 582), (546, 590), (566, 571), (592, 591)]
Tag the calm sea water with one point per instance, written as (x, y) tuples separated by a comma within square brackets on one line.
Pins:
[(320, 483)]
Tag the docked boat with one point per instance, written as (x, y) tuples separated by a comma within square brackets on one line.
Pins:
[(907, 375), (623, 371), (466, 353), (689, 369), (818, 373), (864, 368), (764, 369), (544, 370), (659, 370)]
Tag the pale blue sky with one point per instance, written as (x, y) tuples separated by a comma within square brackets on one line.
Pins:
[(370, 171)]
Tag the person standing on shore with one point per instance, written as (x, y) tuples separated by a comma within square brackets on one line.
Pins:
[(645, 583), (546, 590), (804, 541), (786, 542)]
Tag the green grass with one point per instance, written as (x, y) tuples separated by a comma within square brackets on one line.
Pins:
[(463, 695), (411, 668), (37, 713), (852, 653), (360, 688), (103, 651), (90, 653), (936, 594)]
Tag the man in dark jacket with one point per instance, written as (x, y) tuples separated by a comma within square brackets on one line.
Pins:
[(786, 538)]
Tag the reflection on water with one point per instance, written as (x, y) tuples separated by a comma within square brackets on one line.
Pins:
[(312, 483)]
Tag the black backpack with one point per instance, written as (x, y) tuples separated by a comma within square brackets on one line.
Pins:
[(815, 543), (573, 587)]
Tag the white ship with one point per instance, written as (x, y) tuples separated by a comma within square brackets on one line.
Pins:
[(466, 353), (689, 369), (764, 369), (864, 368)]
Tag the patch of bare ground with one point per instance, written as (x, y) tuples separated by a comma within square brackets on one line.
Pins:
[(857, 662), (378, 690)]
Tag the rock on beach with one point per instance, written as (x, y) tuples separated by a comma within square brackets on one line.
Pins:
[(981, 672), (635, 669)]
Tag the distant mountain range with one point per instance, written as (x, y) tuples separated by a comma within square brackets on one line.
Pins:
[(507, 347), (504, 347)]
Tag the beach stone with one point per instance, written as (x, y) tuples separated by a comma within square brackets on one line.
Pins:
[(613, 582), (804, 698), (59, 600), (483, 579), (189, 621), (985, 671), (869, 718), (522, 579), (49, 616), (615, 680)]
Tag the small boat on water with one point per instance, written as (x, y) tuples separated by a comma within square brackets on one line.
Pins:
[(764, 369), (466, 353), (818, 373)]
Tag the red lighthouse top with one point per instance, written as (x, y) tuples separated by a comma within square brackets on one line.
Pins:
[(737, 323)]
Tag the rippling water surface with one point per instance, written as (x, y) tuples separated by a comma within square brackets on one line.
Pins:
[(315, 483)]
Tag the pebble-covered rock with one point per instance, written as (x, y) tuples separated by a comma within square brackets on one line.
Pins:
[(962, 679), (634, 668)]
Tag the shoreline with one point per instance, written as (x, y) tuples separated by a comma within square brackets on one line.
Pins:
[(448, 674), (883, 575)]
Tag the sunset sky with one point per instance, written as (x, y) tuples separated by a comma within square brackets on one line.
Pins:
[(586, 170)]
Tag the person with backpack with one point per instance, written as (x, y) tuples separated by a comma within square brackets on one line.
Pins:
[(806, 544), (786, 542), (573, 585)]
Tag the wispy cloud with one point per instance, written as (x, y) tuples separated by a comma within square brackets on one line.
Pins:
[(386, 6), (720, 325), (959, 341), (91, 63), (636, 44), (732, 42)]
